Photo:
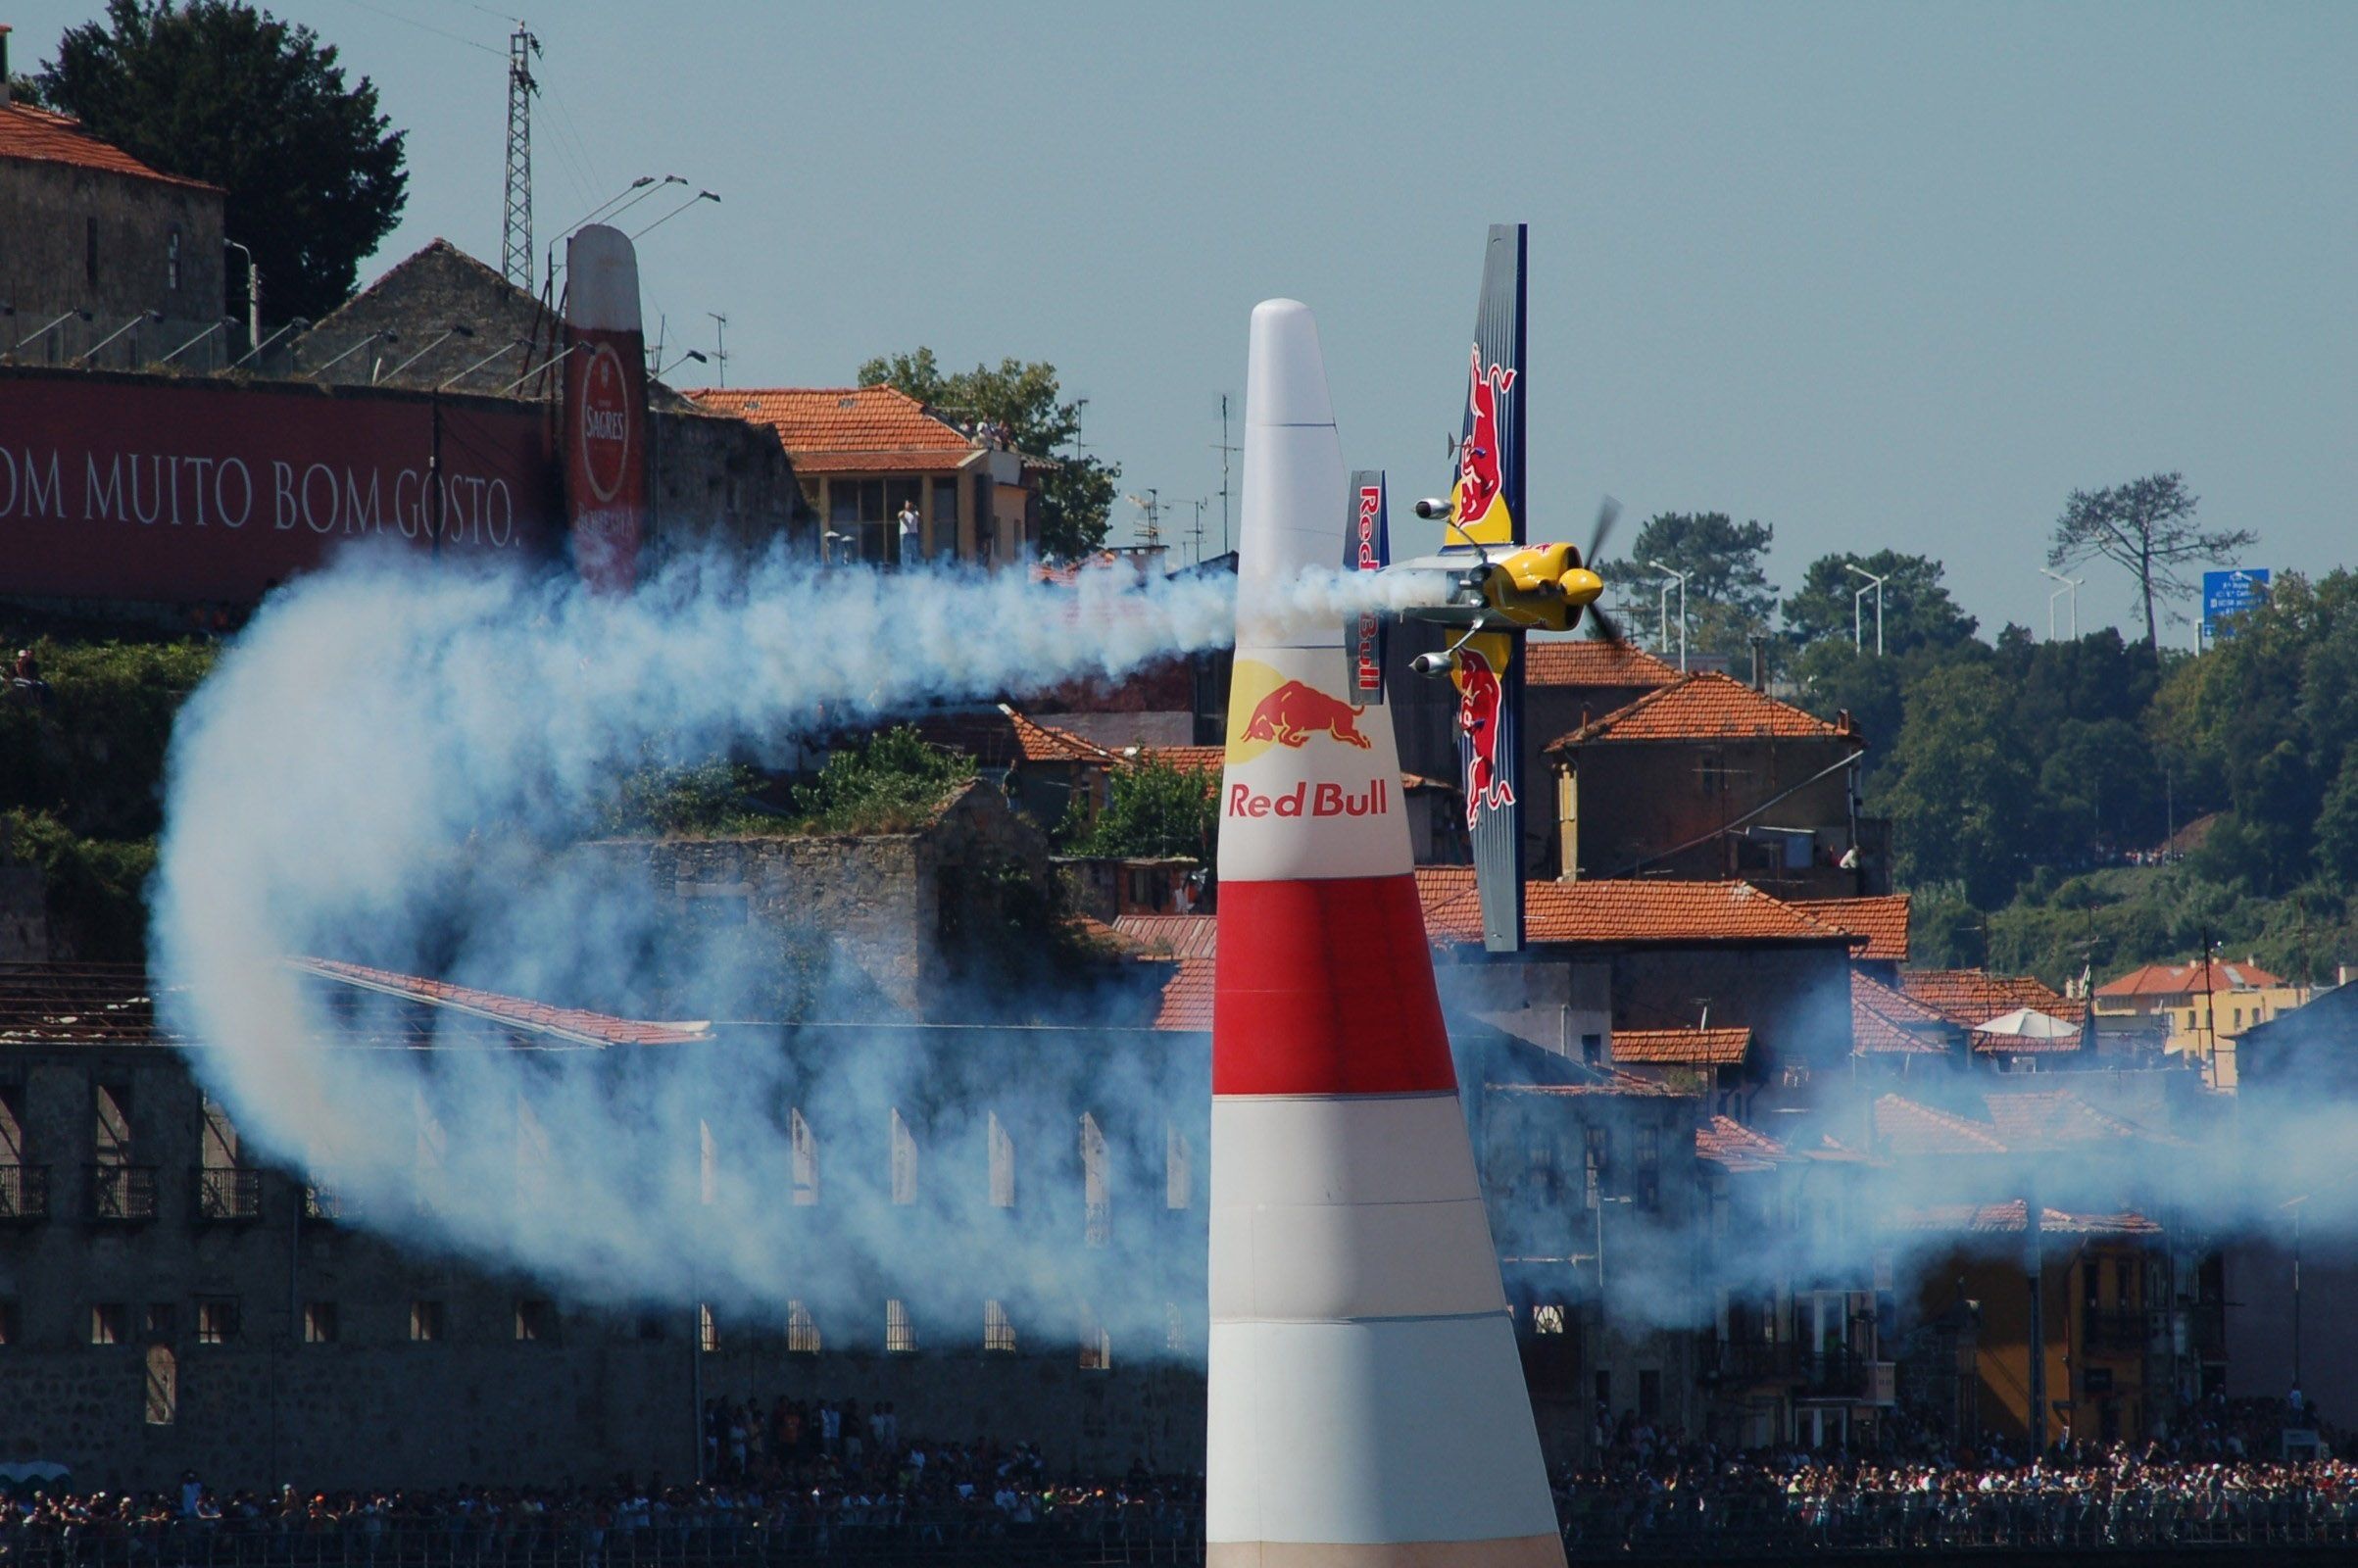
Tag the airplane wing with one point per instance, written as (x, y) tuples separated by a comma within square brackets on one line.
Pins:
[(1486, 507)]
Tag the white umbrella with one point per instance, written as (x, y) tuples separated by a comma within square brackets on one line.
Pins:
[(2027, 1023)]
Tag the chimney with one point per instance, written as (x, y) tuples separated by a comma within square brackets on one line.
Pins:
[(1759, 663), (3, 65)]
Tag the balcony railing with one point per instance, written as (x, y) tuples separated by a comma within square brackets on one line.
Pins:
[(227, 1193), (324, 1205), (23, 1191), (123, 1193), (1752, 1361)]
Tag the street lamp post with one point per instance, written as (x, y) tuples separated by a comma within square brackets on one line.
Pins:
[(253, 291), (1681, 578), (1857, 630), (699, 196), (2070, 585)]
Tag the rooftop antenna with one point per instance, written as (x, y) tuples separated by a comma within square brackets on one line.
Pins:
[(721, 346), (1224, 449), (1152, 505), (515, 233)]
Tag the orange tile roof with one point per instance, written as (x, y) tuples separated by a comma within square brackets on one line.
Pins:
[(1707, 706), (42, 137), (1888, 1022), (2055, 1119), (848, 429), (1608, 911), (571, 1023), (1972, 996), (1179, 936), (1883, 920), (1909, 1127), (1731, 1145), (2188, 979), (1592, 661), (1002, 738), (1607, 1083), (1681, 1048), (1186, 758), (1187, 996), (2008, 1218)]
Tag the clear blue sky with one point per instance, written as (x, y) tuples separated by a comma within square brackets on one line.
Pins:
[(1881, 275)]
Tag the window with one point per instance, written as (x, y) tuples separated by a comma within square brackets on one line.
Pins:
[(107, 1323), (1178, 1168), (535, 1320), (1604, 1392), (802, 1330), (999, 1334), (111, 1131), (707, 1328), (903, 1161), (1595, 1159), (1547, 1318), (171, 259), (216, 1321), (319, 1324), (1095, 1199), (12, 1322), (944, 517), (425, 1322), (899, 1334), (898, 493), (1096, 1346), (163, 1385), (806, 1162), (1003, 1163), (90, 249), (160, 1320), (1591, 1048), (1649, 1167)]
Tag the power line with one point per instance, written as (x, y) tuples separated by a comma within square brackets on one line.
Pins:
[(427, 27)]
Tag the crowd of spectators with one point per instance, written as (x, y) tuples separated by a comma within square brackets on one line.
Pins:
[(797, 1480)]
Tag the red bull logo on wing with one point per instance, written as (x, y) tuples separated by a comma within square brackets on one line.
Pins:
[(1479, 699), (1296, 710), (1481, 476)]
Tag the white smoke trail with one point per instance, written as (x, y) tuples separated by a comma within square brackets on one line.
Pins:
[(387, 766)]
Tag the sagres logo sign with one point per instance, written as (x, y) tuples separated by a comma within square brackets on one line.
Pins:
[(606, 424)]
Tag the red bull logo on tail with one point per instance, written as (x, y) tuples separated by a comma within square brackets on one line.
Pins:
[(1480, 697), (1296, 710), (1477, 500)]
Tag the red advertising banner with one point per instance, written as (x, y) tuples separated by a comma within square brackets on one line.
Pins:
[(605, 407), (161, 490)]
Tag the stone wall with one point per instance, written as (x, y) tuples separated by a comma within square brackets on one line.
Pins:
[(48, 244)]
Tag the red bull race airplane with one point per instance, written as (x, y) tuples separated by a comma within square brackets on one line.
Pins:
[(1496, 586)]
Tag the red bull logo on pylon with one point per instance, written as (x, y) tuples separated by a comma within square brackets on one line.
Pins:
[(1479, 698), (1477, 505), (1297, 711)]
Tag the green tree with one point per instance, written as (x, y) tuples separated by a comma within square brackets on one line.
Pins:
[(1026, 400), (2146, 526), (888, 783), (1917, 608), (2338, 825), (219, 91), (1728, 598), (1960, 804), (1153, 810)]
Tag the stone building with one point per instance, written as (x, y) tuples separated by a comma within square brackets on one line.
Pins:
[(98, 248), (172, 1299)]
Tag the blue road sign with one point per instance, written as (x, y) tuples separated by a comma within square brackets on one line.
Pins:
[(2226, 595)]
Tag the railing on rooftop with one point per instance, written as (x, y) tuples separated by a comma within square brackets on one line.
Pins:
[(23, 1192), (122, 1194), (2116, 1328)]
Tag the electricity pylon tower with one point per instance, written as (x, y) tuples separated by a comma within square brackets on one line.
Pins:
[(516, 235)]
